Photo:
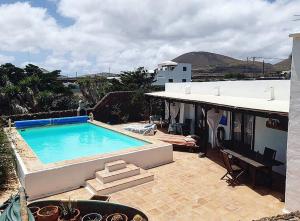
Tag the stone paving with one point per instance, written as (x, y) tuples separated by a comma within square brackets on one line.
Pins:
[(190, 189)]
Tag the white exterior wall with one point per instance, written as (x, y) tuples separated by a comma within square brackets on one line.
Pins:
[(177, 74), (275, 139), (248, 89), (292, 194)]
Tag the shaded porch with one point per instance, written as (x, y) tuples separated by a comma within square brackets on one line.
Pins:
[(248, 132)]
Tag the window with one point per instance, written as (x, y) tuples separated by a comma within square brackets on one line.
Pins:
[(183, 80), (170, 80), (184, 68)]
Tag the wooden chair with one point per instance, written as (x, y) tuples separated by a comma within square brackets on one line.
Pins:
[(186, 127), (268, 158), (233, 171), (269, 155)]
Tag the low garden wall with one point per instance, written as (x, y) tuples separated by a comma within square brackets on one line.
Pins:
[(40, 115)]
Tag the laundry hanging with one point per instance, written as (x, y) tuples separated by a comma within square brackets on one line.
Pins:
[(174, 110), (213, 118)]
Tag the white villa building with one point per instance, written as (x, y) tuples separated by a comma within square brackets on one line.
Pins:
[(170, 71), (258, 114)]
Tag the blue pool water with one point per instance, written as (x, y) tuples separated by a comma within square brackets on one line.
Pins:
[(65, 142)]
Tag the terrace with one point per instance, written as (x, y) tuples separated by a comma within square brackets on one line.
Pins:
[(190, 189)]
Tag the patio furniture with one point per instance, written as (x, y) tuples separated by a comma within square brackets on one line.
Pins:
[(145, 129), (190, 142), (268, 157), (175, 128), (186, 127), (233, 171), (156, 119), (254, 164)]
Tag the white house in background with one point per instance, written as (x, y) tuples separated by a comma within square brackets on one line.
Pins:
[(170, 71)]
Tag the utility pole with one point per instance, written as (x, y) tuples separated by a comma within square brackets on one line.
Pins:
[(247, 65), (263, 68), (253, 61)]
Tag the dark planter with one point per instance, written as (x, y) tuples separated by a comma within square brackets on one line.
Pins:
[(92, 206), (76, 217), (48, 213), (92, 216)]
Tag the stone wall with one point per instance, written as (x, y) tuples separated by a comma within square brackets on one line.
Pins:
[(40, 115)]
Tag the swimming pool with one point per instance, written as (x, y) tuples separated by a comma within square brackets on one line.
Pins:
[(70, 141)]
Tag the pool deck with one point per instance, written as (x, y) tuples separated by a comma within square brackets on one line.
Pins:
[(190, 189)]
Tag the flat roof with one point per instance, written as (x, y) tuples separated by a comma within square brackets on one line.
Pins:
[(295, 35), (255, 104), (167, 63)]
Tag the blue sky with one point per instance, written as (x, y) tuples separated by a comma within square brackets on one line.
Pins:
[(92, 36), (51, 7)]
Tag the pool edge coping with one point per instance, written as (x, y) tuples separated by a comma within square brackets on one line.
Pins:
[(30, 162)]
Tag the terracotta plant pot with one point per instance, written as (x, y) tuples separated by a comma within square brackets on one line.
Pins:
[(92, 216), (48, 213), (76, 217), (34, 210), (117, 217)]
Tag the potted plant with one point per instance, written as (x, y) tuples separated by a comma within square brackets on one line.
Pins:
[(68, 212), (137, 217), (48, 213), (92, 217), (117, 217), (34, 210)]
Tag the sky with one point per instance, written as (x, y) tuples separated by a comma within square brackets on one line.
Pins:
[(93, 36)]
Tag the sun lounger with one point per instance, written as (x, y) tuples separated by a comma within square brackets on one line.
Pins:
[(178, 140), (145, 129)]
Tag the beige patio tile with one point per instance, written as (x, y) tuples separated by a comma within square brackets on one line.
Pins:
[(190, 189)]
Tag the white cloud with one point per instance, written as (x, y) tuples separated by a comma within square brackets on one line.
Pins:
[(6, 59), (126, 34)]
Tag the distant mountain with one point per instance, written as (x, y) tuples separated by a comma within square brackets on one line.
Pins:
[(206, 62), (284, 65)]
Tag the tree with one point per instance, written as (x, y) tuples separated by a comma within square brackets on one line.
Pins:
[(32, 90), (138, 79)]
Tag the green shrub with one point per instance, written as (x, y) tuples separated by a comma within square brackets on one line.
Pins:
[(7, 162)]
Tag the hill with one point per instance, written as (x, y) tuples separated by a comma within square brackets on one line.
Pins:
[(206, 62), (284, 65), (203, 60)]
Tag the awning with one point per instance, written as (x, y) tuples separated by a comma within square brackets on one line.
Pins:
[(280, 107)]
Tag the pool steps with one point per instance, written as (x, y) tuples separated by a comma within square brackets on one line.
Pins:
[(129, 171), (108, 181), (116, 165)]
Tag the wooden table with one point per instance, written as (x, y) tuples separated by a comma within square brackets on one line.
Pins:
[(254, 164)]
